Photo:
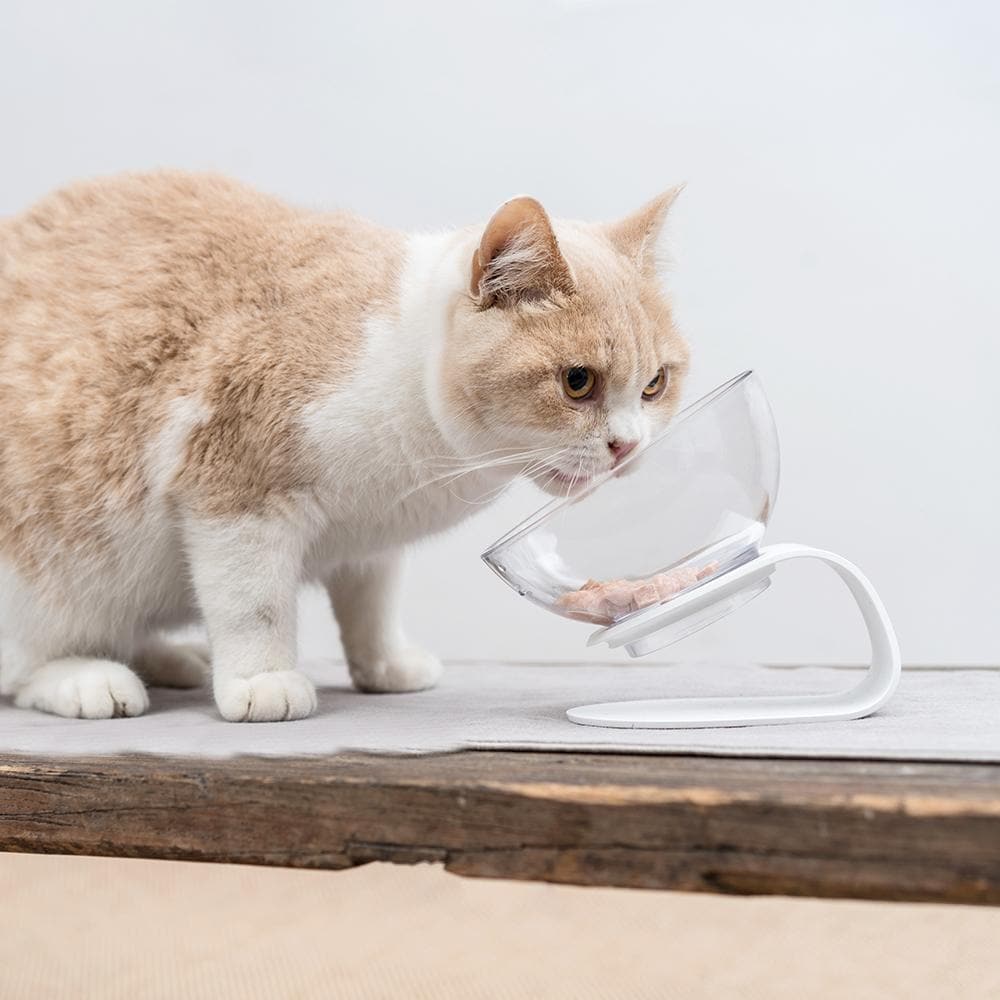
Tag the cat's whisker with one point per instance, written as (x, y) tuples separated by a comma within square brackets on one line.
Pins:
[(447, 479), (464, 459), (548, 482), (458, 459), (575, 477), (478, 467), (540, 464), (490, 495), (496, 454)]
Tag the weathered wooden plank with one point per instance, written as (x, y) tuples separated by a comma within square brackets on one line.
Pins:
[(906, 831)]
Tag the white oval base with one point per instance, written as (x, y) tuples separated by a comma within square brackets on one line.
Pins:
[(661, 625)]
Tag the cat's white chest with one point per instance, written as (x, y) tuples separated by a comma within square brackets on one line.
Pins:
[(387, 476), (377, 517)]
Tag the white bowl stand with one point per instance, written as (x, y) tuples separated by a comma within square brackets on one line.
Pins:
[(716, 598)]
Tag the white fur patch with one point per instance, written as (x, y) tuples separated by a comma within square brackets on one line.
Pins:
[(165, 453)]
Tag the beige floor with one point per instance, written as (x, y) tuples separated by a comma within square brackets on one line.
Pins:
[(80, 928)]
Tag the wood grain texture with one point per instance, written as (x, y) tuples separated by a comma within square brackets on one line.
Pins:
[(874, 830)]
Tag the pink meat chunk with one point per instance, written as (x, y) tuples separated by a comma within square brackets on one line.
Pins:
[(604, 602)]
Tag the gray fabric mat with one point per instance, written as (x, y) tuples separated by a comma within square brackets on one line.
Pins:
[(936, 714)]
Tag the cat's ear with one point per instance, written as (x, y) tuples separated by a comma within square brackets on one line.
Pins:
[(518, 258), (637, 235)]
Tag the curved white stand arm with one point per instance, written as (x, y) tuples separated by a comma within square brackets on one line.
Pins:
[(640, 634)]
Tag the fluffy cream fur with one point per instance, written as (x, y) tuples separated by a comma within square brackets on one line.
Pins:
[(208, 397)]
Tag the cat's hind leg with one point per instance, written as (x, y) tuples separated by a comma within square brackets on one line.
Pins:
[(65, 656), (80, 687), (365, 598), (173, 665)]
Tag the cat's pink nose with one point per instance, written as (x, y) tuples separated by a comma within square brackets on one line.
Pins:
[(619, 449)]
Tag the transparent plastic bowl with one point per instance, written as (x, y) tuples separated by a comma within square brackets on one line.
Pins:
[(689, 506)]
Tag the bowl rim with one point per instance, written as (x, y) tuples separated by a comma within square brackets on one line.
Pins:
[(555, 505)]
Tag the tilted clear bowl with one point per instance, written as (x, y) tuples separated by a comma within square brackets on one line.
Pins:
[(689, 506)]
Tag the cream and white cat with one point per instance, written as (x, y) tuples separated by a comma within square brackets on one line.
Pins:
[(208, 397)]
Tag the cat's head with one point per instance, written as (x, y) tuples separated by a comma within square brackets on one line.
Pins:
[(563, 348)]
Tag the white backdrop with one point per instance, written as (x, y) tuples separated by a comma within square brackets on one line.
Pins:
[(839, 234)]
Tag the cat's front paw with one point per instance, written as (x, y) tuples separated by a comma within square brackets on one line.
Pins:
[(406, 669), (275, 696)]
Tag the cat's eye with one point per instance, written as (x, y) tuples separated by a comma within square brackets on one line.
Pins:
[(578, 382), (654, 388)]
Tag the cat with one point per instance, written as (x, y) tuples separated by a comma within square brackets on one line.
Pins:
[(209, 397)]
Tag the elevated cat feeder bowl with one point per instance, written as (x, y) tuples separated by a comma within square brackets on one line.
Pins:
[(670, 542)]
